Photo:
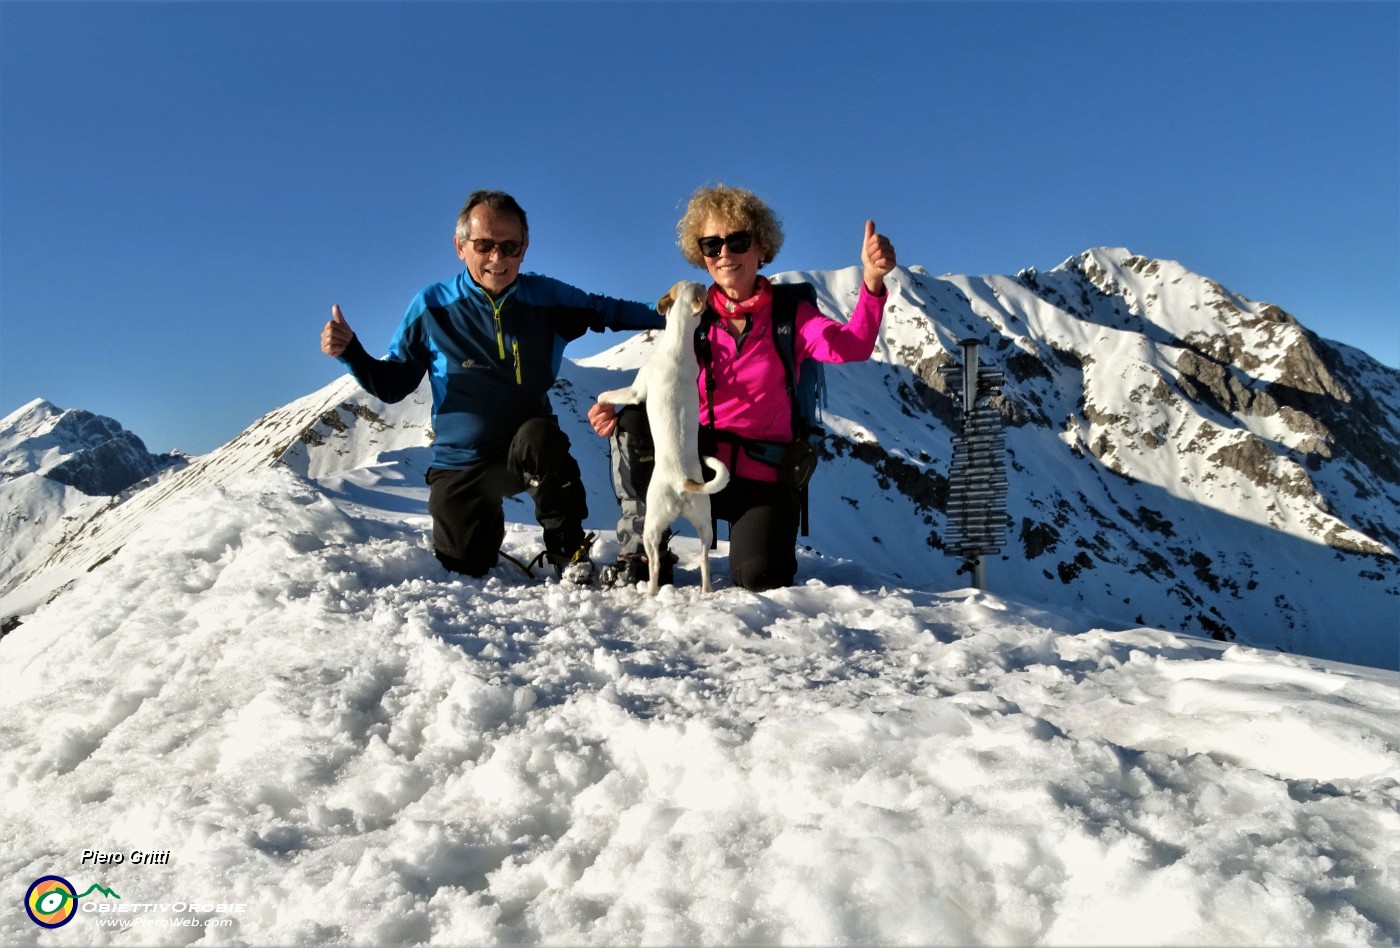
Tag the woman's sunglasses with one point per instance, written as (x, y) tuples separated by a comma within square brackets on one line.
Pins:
[(508, 248), (739, 242)]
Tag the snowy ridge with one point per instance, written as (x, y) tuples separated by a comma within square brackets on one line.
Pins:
[(296, 435), (280, 689), (1180, 457)]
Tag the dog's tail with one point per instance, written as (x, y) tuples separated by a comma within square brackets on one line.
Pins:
[(714, 486)]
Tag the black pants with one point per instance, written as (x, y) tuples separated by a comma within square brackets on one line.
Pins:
[(468, 519), (763, 517)]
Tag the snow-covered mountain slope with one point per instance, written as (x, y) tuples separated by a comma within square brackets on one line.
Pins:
[(1191, 457), (58, 469), (337, 743), (1179, 456), (329, 430)]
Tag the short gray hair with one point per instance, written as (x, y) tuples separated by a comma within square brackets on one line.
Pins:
[(498, 201)]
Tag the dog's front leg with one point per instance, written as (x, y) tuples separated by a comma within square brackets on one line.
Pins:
[(634, 394)]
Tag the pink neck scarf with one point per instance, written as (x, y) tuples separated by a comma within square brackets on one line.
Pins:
[(731, 309)]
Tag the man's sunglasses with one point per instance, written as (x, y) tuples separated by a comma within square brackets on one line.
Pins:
[(739, 242), (508, 248)]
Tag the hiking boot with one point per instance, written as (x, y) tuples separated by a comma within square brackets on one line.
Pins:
[(668, 561), (629, 570), (633, 568), (575, 567)]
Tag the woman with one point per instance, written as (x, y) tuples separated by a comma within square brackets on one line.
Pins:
[(744, 403)]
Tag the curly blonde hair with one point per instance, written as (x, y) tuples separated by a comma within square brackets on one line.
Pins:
[(741, 209)]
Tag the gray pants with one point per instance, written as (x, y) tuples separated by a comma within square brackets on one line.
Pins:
[(633, 460)]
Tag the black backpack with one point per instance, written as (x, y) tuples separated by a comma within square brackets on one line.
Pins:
[(797, 461)]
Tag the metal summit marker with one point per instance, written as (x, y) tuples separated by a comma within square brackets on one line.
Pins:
[(977, 476)]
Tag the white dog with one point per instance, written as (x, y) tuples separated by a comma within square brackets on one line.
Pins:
[(667, 384)]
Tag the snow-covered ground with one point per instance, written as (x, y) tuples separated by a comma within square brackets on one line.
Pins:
[(338, 743)]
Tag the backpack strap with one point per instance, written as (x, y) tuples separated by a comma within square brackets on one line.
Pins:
[(786, 296), (705, 356)]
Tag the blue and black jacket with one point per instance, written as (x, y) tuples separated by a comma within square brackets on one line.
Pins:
[(491, 362)]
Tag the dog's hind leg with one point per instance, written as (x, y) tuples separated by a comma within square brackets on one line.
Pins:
[(706, 529), (651, 543)]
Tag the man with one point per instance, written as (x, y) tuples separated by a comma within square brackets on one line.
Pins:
[(491, 341)]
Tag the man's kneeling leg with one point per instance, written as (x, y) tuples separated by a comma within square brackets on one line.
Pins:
[(540, 458), (468, 522)]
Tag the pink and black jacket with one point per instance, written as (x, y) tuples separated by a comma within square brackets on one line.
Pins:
[(750, 399)]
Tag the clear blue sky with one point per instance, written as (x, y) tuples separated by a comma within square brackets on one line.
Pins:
[(186, 188)]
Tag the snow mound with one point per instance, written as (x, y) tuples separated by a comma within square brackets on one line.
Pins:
[(278, 685)]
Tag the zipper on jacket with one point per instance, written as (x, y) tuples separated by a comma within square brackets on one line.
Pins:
[(501, 337), (500, 334)]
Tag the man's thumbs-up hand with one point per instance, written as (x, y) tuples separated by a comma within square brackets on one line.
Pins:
[(337, 334)]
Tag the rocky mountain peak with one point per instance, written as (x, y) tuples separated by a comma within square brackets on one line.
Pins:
[(89, 452)]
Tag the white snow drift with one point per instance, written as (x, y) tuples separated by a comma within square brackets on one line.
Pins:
[(339, 743)]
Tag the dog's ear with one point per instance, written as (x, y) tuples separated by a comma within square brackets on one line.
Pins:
[(676, 291)]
